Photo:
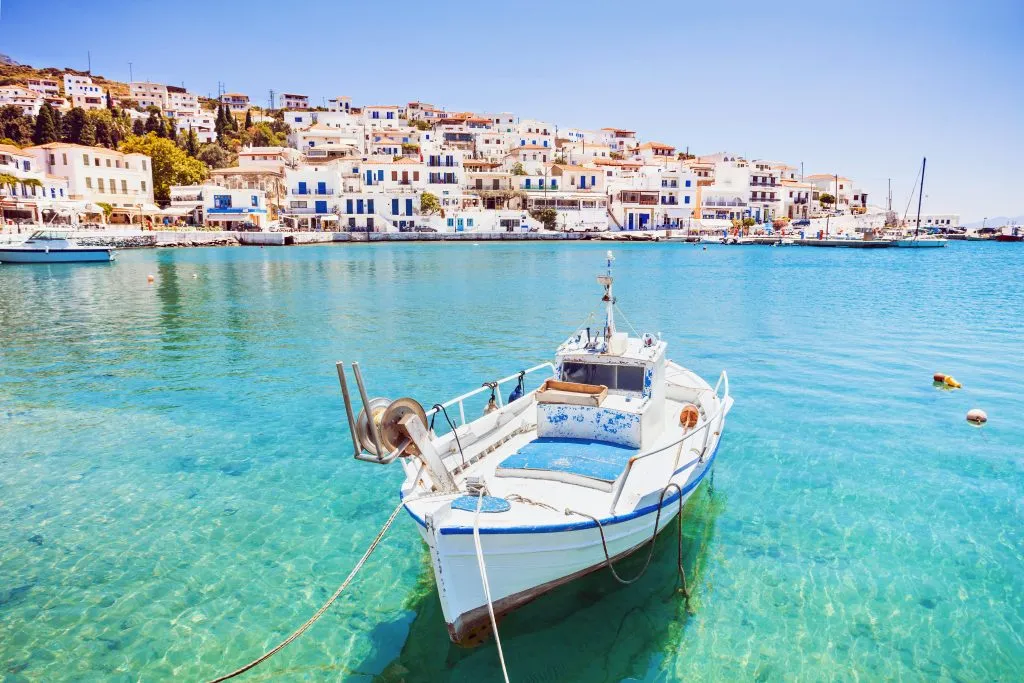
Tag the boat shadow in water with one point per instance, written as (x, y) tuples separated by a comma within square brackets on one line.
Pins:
[(591, 629)]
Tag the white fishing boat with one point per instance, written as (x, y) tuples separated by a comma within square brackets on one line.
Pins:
[(53, 246), (556, 482)]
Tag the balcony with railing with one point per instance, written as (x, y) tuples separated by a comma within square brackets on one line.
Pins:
[(724, 203)]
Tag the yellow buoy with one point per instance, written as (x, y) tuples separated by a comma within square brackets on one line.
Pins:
[(951, 383)]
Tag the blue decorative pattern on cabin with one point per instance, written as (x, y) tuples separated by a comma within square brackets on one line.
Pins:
[(588, 422), (648, 381)]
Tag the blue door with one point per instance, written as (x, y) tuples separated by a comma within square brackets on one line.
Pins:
[(394, 207), (302, 187), (321, 188), (408, 207), (359, 206), (630, 223), (369, 177), (643, 220), (321, 207)]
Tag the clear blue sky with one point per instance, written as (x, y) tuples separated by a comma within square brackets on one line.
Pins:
[(864, 89)]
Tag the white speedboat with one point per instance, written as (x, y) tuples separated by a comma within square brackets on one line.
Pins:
[(555, 483), (53, 246)]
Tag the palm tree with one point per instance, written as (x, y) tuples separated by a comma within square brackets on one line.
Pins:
[(8, 180)]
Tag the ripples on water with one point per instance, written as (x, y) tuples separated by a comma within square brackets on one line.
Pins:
[(177, 491)]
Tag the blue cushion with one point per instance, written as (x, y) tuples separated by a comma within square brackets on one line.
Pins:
[(594, 459), (489, 504)]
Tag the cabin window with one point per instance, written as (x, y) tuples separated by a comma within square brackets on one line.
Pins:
[(620, 377)]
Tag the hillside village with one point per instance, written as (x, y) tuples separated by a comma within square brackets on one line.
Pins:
[(81, 149)]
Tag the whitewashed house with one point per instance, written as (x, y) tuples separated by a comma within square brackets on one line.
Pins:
[(84, 93)]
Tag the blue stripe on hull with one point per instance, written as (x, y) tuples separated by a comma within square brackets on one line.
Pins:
[(574, 526)]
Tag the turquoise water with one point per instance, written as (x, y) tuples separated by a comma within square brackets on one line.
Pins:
[(177, 491)]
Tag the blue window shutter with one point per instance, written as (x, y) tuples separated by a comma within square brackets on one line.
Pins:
[(348, 206), (380, 174), (408, 207), (359, 206), (394, 207), (369, 206), (527, 183), (687, 200)]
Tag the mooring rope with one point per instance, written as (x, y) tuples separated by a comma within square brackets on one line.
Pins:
[(320, 612), (483, 579), (650, 553)]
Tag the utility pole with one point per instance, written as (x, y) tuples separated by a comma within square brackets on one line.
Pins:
[(271, 99), (88, 56), (131, 77)]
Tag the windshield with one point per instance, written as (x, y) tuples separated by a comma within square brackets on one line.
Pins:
[(616, 377)]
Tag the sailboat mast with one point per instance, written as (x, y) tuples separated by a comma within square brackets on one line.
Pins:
[(920, 196)]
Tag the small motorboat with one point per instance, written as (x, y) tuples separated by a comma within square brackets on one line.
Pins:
[(920, 242), (53, 246), (554, 483)]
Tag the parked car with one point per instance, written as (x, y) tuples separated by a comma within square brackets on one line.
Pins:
[(802, 221)]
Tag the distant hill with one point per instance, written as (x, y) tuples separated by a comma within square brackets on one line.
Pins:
[(996, 221), (13, 73)]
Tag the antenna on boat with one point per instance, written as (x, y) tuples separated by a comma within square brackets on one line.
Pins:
[(608, 299)]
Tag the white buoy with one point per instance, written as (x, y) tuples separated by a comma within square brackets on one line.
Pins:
[(977, 416), (150, 278), (195, 276)]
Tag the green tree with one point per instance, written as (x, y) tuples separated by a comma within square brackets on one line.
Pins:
[(74, 122), (169, 163), (155, 122), (262, 135), (108, 129), (748, 222), (429, 203), (88, 134), (191, 142), (248, 119), (46, 126), (549, 217), (170, 129), (138, 127), (420, 124), (15, 125), (107, 210), (827, 199), (214, 155), (518, 169), (8, 180)]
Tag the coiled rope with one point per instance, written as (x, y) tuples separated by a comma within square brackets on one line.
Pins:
[(320, 612), (650, 553)]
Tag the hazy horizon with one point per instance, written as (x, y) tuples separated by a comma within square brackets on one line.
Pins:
[(864, 92)]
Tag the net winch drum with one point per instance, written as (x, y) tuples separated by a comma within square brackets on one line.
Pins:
[(393, 435)]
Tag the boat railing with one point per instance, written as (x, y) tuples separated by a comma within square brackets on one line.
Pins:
[(460, 400), (716, 419)]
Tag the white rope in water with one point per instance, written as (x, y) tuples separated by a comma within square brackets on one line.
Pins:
[(319, 613), (483, 579)]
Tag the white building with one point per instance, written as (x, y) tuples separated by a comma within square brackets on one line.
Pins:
[(96, 174), (148, 94), (204, 125), (292, 101), (46, 86), (237, 102), (29, 101), (340, 104), (319, 142), (83, 92), (313, 195), (533, 133), (385, 115), (36, 194)]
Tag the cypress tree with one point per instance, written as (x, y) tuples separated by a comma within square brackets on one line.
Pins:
[(138, 127), (248, 119), (74, 122), (191, 142), (46, 127)]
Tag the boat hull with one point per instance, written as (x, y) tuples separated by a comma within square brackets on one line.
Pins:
[(77, 255), (524, 563), (920, 244)]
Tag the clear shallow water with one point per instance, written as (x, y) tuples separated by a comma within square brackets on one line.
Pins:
[(177, 491)]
